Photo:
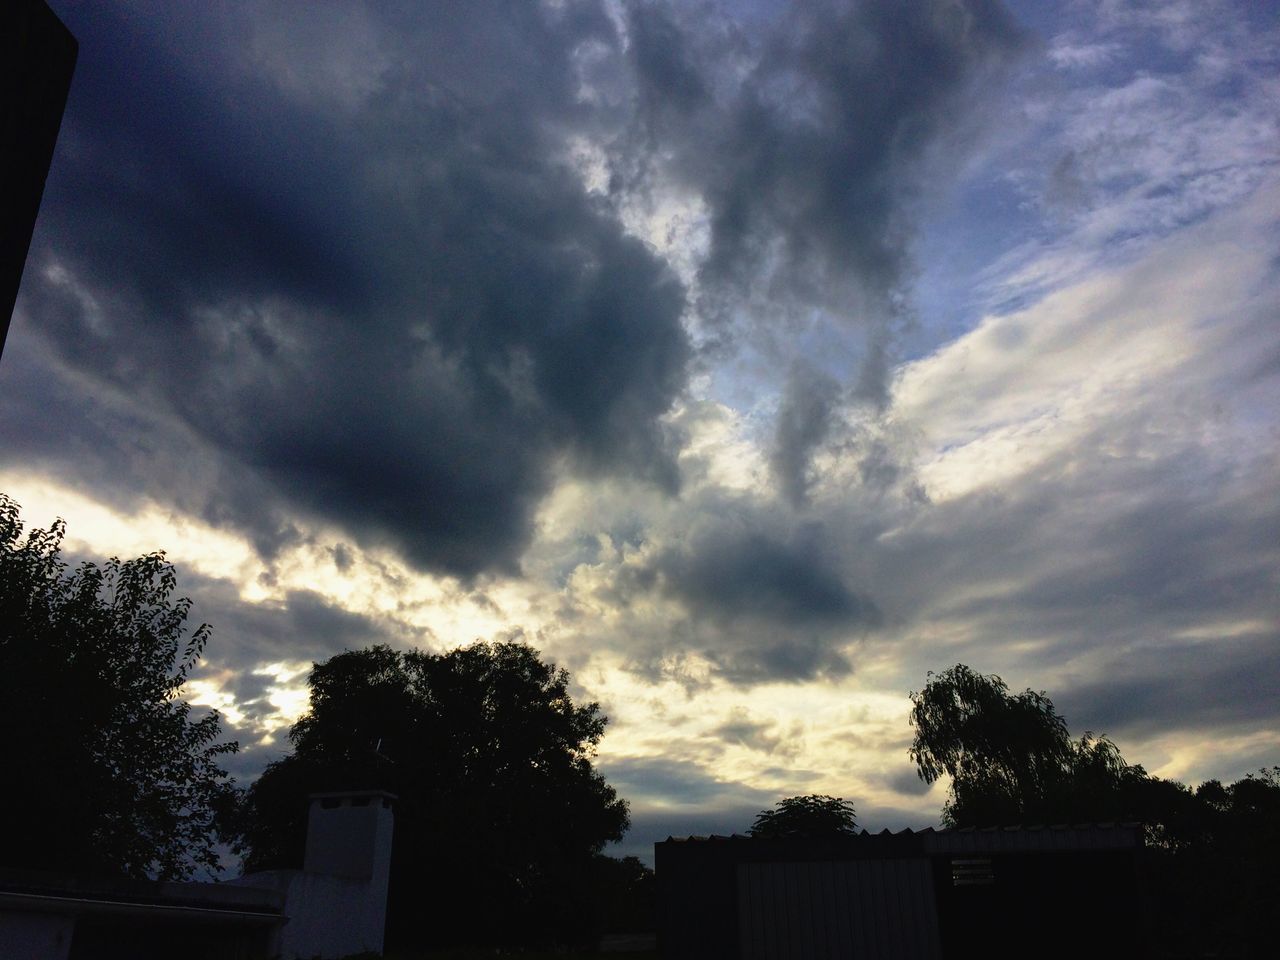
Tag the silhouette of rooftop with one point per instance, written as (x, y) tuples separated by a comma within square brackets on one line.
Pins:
[(1077, 836)]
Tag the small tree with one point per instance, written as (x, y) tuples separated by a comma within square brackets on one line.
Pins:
[(813, 816), (109, 770)]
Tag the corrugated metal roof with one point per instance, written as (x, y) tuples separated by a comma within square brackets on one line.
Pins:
[(1014, 837)]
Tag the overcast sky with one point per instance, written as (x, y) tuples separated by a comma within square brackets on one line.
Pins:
[(750, 359)]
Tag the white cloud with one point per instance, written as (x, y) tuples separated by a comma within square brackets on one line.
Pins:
[(1024, 387)]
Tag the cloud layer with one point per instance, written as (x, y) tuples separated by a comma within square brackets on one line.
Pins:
[(750, 360)]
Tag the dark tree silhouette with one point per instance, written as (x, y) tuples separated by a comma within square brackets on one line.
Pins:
[(812, 816), (1212, 871), (501, 814), (109, 771), (1210, 864), (625, 895), (1010, 757)]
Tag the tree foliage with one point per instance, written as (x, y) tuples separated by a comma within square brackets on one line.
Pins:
[(1209, 867), (501, 812), (625, 895), (1010, 757), (1212, 877), (110, 770), (812, 816)]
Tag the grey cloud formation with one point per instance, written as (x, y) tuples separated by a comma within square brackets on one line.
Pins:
[(349, 267), (1081, 561), (394, 321), (770, 603), (734, 572), (301, 626), (808, 143), (723, 585), (741, 729), (643, 778), (804, 420), (908, 783), (351, 279), (1110, 535), (1222, 685)]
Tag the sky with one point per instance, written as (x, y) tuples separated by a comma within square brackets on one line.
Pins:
[(748, 359)]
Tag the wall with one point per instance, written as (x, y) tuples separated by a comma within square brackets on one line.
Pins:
[(34, 935), (337, 903)]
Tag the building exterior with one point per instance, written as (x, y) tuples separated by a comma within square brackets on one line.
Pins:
[(37, 58), (56, 917), (335, 906), (1000, 892)]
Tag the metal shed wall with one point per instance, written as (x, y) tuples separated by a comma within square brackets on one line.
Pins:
[(832, 909)]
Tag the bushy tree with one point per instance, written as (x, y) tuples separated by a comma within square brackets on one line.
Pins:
[(625, 895), (109, 770), (1213, 879), (501, 814), (812, 816)]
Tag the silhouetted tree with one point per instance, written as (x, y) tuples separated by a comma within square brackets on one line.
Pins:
[(501, 814), (811, 816), (1210, 864), (108, 771), (1244, 834), (1010, 757), (624, 895)]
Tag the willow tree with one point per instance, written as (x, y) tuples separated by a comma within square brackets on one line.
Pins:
[(1010, 757)]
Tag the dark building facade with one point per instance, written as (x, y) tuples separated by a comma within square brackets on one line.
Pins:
[(335, 906), (1002, 892), (37, 58)]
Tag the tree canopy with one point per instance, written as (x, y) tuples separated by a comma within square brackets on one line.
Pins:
[(501, 812), (812, 816), (1010, 757), (110, 770), (1210, 852)]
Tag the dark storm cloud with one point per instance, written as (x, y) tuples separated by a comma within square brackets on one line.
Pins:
[(1081, 562), (807, 143), (735, 572), (303, 625), (748, 733), (96, 435), (364, 285), (51, 425), (762, 603), (395, 317), (1219, 683), (674, 781), (804, 420), (765, 736), (908, 782)]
